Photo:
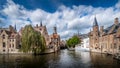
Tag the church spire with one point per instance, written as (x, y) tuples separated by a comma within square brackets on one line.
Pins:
[(15, 27), (41, 23), (95, 22)]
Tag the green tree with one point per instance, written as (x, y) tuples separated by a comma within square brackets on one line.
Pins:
[(71, 42), (32, 40)]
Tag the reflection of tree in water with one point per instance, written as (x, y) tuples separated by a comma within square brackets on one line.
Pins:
[(63, 59), (40, 61)]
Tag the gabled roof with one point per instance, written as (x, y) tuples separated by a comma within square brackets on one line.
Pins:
[(13, 35), (112, 29)]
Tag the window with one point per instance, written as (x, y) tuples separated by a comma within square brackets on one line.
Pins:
[(115, 46), (3, 44), (10, 45), (13, 45), (4, 50), (3, 36)]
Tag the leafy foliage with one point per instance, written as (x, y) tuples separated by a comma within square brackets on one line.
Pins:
[(71, 42), (32, 40)]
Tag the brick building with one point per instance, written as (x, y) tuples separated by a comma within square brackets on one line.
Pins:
[(52, 41), (105, 40), (9, 40)]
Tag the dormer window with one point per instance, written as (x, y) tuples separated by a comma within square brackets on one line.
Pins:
[(3, 36)]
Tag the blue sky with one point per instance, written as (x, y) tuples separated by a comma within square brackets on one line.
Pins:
[(53, 5), (67, 15)]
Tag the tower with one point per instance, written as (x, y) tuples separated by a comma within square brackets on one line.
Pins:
[(55, 29), (95, 25), (95, 34)]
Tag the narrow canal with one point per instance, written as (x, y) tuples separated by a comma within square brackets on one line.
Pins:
[(62, 59)]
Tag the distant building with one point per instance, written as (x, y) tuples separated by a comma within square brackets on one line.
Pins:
[(52, 41), (63, 44), (9, 40), (105, 40), (84, 42), (43, 30)]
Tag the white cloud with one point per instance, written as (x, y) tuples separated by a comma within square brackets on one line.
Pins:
[(68, 20), (118, 5)]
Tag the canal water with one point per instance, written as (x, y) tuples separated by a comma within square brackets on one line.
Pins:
[(62, 59)]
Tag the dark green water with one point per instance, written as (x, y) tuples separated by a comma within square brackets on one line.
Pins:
[(62, 59)]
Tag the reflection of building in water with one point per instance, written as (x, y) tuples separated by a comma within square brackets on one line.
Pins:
[(105, 40)]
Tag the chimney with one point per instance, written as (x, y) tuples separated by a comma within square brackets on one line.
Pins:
[(101, 28), (116, 21)]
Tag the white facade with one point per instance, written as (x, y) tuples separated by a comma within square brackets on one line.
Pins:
[(85, 43), (84, 46)]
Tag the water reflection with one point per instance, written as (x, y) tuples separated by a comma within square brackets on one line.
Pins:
[(63, 59)]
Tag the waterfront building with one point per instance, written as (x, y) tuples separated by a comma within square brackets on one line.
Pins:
[(84, 46), (105, 40), (85, 43), (9, 40), (43, 30), (52, 41), (55, 40)]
